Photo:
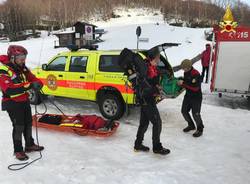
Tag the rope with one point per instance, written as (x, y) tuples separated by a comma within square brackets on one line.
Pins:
[(17, 167), (55, 106), (40, 55), (14, 167)]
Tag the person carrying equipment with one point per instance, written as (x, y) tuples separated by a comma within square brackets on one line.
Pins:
[(192, 99), (149, 112)]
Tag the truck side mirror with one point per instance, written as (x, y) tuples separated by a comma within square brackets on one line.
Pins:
[(44, 67)]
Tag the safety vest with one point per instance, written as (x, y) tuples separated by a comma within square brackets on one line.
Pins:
[(14, 79)]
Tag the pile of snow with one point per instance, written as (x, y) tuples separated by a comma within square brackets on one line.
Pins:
[(220, 156), (132, 17)]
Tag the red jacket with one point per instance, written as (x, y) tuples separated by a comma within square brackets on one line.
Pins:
[(205, 58), (12, 82), (192, 83), (152, 71)]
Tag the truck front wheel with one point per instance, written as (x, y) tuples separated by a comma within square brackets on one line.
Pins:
[(111, 106)]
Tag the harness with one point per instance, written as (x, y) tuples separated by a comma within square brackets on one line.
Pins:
[(16, 79)]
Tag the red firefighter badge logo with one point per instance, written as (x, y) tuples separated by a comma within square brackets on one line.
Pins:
[(228, 25), (52, 82)]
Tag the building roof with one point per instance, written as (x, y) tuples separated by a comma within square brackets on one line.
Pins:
[(64, 32), (69, 30), (84, 23)]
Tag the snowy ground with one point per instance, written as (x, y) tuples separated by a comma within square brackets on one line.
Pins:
[(220, 156)]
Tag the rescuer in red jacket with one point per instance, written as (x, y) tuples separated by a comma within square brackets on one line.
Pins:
[(192, 99), (149, 111), (205, 59), (15, 80)]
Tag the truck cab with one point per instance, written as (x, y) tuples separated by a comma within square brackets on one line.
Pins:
[(90, 75)]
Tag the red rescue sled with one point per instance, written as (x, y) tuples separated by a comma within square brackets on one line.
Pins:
[(75, 124)]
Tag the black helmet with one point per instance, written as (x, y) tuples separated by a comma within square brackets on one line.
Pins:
[(152, 53)]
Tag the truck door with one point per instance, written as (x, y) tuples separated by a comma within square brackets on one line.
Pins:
[(77, 78), (54, 76)]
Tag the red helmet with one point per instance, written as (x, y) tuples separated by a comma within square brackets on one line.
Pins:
[(15, 50)]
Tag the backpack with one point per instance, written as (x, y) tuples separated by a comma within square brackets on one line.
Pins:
[(51, 119), (135, 68)]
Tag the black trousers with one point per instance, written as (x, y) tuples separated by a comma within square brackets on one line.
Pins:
[(194, 104), (149, 112), (21, 118), (204, 72)]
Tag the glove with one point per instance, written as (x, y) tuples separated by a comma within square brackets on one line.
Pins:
[(27, 86), (36, 86), (180, 82)]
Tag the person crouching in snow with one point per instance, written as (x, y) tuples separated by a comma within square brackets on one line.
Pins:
[(15, 80), (192, 99), (149, 110)]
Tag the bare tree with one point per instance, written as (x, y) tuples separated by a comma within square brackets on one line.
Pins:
[(20, 15)]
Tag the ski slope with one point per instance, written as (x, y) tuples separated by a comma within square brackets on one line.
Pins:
[(220, 156)]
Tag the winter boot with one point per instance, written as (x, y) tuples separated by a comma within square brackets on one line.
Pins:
[(188, 128), (21, 156), (198, 133), (141, 147), (159, 149), (34, 147)]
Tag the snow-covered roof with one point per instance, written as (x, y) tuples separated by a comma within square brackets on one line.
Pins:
[(66, 31), (85, 23)]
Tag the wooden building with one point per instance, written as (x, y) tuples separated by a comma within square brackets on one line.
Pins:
[(81, 34)]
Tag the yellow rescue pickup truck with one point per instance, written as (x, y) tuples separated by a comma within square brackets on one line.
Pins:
[(93, 75)]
